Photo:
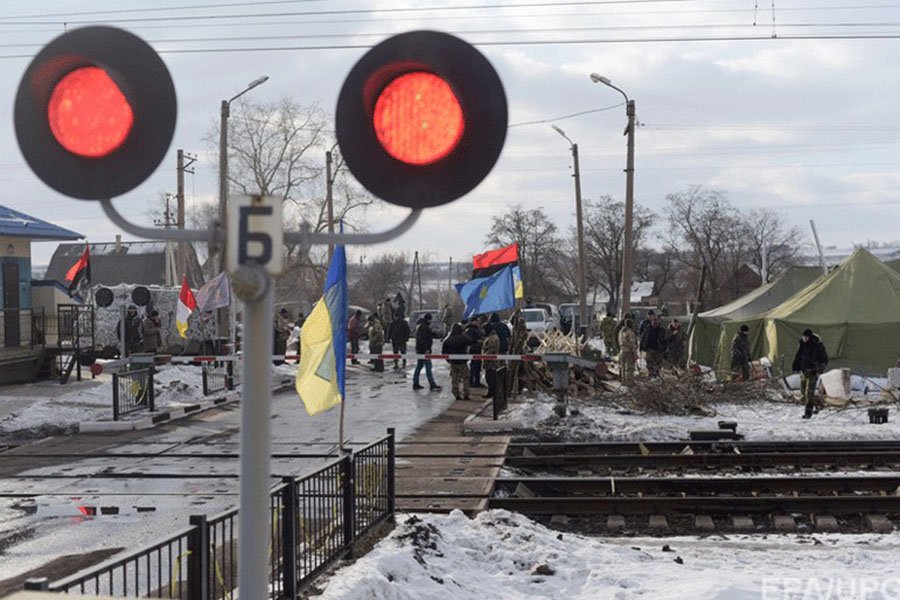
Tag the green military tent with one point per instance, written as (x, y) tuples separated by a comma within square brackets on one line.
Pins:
[(894, 264), (855, 309), (708, 325)]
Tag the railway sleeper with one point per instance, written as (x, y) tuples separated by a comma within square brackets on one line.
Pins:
[(705, 524)]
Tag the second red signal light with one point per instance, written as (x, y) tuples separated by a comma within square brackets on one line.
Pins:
[(421, 119)]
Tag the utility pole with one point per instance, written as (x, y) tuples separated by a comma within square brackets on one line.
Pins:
[(329, 201), (181, 169), (166, 223), (582, 286), (629, 212)]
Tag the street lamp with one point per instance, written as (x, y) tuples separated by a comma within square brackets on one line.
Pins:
[(629, 194), (225, 112), (582, 298), (227, 320)]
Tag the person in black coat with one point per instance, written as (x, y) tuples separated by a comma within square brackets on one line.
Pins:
[(475, 332), (458, 343), (811, 360), (502, 332), (653, 343), (424, 343), (398, 333)]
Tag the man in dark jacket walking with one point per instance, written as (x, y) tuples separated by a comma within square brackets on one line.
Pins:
[(653, 343), (810, 360), (398, 333), (424, 342), (458, 343)]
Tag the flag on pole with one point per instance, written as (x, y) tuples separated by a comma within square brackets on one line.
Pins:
[(488, 294), (80, 271), (490, 262), (214, 294), (323, 342), (186, 305)]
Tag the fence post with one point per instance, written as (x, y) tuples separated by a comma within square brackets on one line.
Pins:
[(289, 537), (349, 493), (115, 384), (152, 392), (198, 559), (204, 374), (229, 375), (390, 470)]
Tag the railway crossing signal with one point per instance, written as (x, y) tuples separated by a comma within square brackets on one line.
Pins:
[(95, 112), (421, 119)]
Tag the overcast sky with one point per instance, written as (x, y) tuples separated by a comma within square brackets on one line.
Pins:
[(794, 108)]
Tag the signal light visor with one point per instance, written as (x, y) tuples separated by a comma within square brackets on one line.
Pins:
[(88, 114), (418, 119)]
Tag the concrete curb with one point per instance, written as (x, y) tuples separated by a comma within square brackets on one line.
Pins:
[(170, 415)]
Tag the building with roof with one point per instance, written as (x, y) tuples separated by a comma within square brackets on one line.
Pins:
[(115, 263), (22, 332)]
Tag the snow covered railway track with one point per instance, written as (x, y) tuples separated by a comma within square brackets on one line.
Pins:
[(706, 486)]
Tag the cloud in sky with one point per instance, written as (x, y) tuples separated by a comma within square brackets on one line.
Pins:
[(809, 126)]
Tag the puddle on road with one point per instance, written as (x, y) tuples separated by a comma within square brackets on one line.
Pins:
[(77, 508)]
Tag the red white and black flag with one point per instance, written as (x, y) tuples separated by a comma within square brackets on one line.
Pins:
[(80, 273)]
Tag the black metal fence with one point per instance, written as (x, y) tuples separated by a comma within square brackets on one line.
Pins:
[(315, 521), (132, 391), (218, 376)]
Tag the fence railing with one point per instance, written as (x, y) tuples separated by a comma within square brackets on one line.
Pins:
[(218, 376), (22, 327), (132, 391), (315, 521)]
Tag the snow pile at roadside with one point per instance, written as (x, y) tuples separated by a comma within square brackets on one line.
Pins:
[(505, 555), (756, 421)]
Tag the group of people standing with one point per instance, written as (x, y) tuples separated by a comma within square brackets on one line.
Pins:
[(141, 334), (659, 345)]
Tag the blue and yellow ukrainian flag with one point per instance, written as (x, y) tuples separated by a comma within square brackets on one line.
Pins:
[(323, 342), (488, 294)]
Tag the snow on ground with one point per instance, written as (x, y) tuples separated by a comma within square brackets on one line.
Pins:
[(505, 555), (49, 408), (758, 421)]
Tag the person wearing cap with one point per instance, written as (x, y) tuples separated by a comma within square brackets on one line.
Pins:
[(653, 343), (132, 324), (424, 343), (675, 344), (458, 343), (150, 328), (740, 354), (376, 342), (354, 331), (628, 352), (608, 331), (811, 360)]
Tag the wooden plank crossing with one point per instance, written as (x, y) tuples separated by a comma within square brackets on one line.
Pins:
[(440, 468)]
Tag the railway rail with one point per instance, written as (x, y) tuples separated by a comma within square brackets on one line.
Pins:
[(708, 486)]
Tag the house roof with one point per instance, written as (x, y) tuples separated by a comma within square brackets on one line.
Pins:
[(17, 224), (140, 263)]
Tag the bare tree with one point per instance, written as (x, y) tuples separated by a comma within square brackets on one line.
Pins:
[(538, 245), (782, 244), (703, 226), (604, 241), (660, 267), (380, 278)]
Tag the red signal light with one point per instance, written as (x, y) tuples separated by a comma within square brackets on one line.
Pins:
[(95, 112), (88, 113), (418, 118), (421, 119)]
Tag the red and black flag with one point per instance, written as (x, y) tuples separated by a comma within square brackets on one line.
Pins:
[(80, 273), (488, 263)]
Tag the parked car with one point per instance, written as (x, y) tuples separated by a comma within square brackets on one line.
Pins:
[(551, 309), (538, 321), (436, 326)]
